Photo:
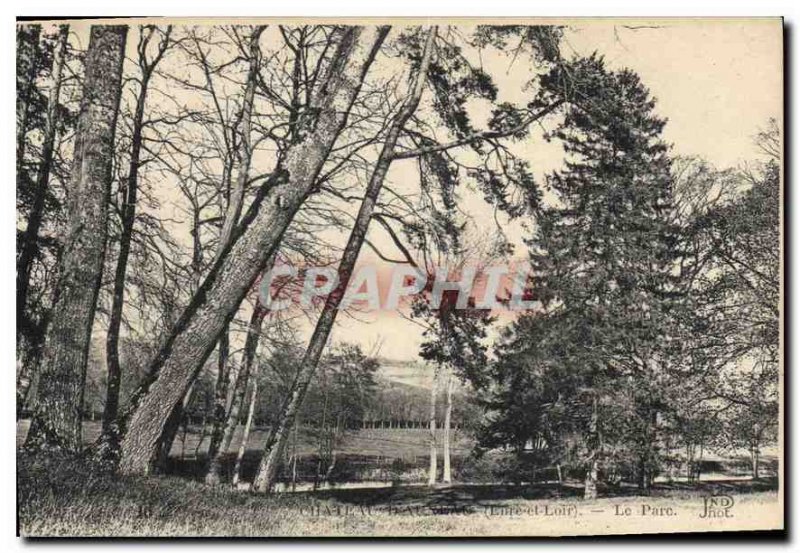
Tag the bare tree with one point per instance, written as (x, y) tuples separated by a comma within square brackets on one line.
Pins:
[(222, 405), (276, 442), (110, 433), (258, 237)]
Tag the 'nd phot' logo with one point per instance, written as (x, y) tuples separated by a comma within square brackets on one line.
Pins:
[(717, 506)]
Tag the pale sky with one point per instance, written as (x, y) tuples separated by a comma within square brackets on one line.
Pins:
[(717, 81)]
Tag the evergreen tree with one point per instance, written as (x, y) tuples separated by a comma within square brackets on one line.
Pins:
[(602, 258)]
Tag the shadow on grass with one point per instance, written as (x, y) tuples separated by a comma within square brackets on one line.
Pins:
[(459, 495), (463, 495), (348, 468)]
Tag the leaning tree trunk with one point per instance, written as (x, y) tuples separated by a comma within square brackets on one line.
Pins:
[(447, 476), (110, 435), (245, 151), (276, 441), (257, 237), (59, 398), (178, 415), (250, 347), (30, 237), (222, 406), (171, 429), (237, 469)]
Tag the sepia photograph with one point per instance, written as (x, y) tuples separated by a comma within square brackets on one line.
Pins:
[(399, 277)]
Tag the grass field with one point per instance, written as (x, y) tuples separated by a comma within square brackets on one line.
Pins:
[(63, 497), (395, 443), (359, 451), (69, 497)]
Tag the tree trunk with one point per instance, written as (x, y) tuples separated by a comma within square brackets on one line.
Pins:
[(29, 244), (237, 469), (229, 389), (755, 454), (223, 345), (276, 442), (331, 466), (432, 428), (59, 399), (294, 458), (164, 445), (258, 236), (177, 418), (245, 151), (646, 459), (110, 436), (171, 430), (250, 348), (446, 476), (220, 407), (644, 474), (590, 486), (234, 209)]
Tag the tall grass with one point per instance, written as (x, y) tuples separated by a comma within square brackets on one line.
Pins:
[(60, 496)]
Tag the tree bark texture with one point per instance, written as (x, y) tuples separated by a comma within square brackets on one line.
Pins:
[(56, 419)]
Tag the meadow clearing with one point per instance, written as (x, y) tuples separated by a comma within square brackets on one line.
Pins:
[(75, 497)]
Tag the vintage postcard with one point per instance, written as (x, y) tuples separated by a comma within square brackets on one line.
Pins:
[(399, 277)]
